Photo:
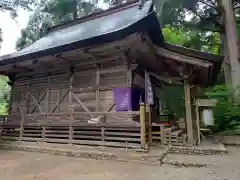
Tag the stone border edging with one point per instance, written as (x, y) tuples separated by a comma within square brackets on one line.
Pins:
[(228, 140), (196, 151), (83, 154), (156, 159)]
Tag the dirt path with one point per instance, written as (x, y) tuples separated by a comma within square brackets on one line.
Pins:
[(17, 165)]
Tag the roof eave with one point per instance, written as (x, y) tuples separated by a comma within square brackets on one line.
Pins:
[(139, 26)]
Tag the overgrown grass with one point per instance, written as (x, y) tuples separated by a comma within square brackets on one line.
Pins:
[(231, 132), (227, 111)]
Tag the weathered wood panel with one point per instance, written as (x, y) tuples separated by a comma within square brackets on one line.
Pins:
[(48, 92)]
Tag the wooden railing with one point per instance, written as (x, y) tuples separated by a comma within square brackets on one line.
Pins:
[(102, 118), (65, 128), (122, 124)]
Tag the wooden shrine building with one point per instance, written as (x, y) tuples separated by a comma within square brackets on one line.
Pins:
[(93, 81)]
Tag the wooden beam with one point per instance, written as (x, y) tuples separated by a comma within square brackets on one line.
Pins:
[(111, 107), (188, 111), (36, 103), (168, 80), (60, 100), (81, 103), (113, 70), (39, 100), (133, 113), (182, 58)]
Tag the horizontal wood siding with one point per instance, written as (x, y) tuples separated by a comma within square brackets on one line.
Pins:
[(47, 92)]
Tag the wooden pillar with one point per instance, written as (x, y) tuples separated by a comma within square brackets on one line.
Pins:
[(195, 112), (71, 110), (103, 134), (188, 111), (58, 100), (129, 78), (149, 123), (198, 124), (129, 73), (162, 134), (23, 117), (47, 94), (149, 102), (143, 125), (24, 110), (97, 88), (46, 107)]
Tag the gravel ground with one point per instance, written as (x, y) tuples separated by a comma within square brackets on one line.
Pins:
[(38, 166)]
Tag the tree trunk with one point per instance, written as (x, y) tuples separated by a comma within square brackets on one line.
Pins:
[(226, 64), (231, 40), (75, 14)]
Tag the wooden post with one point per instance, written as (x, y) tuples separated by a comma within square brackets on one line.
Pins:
[(149, 124), (188, 111), (43, 133), (47, 95), (129, 73), (170, 137), (23, 116), (97, 86), (129, 78), (58, 99), (71, 110), (162, 134), (143, 125), (103, 134), (23, 111), (46, 108), (198, 124)]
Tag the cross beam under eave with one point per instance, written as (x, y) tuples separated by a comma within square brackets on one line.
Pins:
[(182, 58)]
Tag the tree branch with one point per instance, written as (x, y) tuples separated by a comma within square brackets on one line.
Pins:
[(207, 19), (209, 5)]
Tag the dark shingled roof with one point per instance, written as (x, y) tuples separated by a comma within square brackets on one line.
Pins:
[(107, 26)]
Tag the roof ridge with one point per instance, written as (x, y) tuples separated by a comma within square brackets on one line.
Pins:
[(95, 15)]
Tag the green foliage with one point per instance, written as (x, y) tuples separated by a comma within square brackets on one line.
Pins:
[(175, 35), (231, 132), (172, 98), (226, 112), (192, 24), (4, 95), (50, 13)]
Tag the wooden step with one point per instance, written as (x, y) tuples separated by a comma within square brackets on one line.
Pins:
[(177, 133)]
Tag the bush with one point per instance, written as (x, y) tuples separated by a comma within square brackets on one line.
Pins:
[(226, 112)]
